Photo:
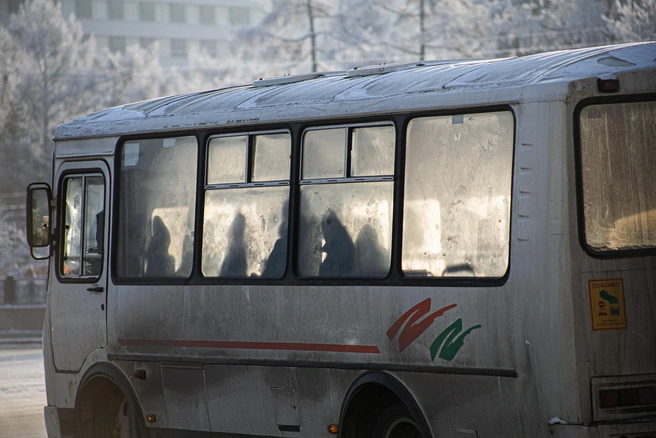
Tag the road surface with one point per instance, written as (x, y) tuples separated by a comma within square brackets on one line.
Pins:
[(22, 393)]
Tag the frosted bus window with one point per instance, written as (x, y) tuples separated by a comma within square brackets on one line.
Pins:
[(323, 154), (346, 229), (157, 208), (618, 146), (245, 232), (245, 223), (84, 222), (372, 151), (345, 226), (272, 157), (226, 161), (456, 218)]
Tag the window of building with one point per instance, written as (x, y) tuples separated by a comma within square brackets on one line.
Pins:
[(239, 16), (207, 15), (347, 197), (162, 12), (178, 14), (147, 11), (116, 11), (178, 48), (456, 214), (117, 44), (131, 10), (147, 43), (83, 9), (618, 145), (157, 201), (210, 48), (246, 206), (100, 10)]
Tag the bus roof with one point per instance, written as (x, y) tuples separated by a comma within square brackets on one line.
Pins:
[(365, 91)]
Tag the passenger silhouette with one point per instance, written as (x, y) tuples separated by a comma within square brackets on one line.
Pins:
[(338, 247), (159, 263), (274, 266), (371, 259), (235, 262)]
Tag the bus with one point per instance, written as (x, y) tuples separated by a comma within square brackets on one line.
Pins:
[(437, 249)]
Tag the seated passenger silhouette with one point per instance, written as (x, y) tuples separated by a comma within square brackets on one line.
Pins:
[(371, 259), (159, 263), (274, 266), (339, 247), (235, 262)]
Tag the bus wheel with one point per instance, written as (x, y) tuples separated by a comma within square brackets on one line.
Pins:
[(395, 422)]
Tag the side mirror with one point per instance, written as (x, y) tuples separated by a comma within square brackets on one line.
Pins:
[(38, 228)]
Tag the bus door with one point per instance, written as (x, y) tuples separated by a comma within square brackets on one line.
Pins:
[(78, 297)]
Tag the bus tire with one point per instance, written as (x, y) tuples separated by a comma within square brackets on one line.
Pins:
[(395, 421)]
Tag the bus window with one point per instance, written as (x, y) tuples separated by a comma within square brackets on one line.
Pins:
[(84, 220), (618, 143), (346, 222), (456, 217), (246, 206), (157, 207)]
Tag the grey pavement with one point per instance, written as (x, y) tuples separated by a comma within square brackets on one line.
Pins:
[(22, 391)]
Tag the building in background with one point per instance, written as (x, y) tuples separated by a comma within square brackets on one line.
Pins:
[(177, 26)]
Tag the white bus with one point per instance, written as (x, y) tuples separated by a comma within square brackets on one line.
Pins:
[(444, 249)]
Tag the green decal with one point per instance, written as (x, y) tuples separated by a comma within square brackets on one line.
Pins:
[(452, 344), (608, 297)]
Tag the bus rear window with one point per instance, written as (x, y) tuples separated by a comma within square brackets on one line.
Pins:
[(618, 147)]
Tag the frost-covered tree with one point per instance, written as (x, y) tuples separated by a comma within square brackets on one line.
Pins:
[(630, 20), (293, 34), (56, 75), (538, 25)]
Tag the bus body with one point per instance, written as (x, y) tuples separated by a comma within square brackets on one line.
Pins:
[(443, 249)]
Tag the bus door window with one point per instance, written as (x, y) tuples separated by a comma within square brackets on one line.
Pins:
[(246, 205), (456, 218), (84, 221), (347, 184), (157, 204)]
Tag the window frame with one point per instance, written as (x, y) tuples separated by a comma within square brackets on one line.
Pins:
[(348, 147), (249, 161), (116, 209), (578, 158), (59, 232)]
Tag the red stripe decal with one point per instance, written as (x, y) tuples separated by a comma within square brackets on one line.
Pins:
[(287, 346)]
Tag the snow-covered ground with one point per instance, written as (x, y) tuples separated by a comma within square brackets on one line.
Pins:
[(22, 393)]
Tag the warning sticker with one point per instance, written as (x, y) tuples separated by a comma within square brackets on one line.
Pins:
[(607, 304)]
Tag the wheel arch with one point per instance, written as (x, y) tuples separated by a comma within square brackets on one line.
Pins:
[(101, 377), (378, 390)]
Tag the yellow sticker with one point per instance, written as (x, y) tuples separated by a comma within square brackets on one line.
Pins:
[(607, 304)]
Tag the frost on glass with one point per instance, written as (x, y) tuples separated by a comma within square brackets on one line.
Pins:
[(271, 157), (456, 217), (345, 229), (94, 225), (72, 227), (618, 157), (372, 152), (156, 207), (323, 153), (226, 161), (84, 221), (245, 232)]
